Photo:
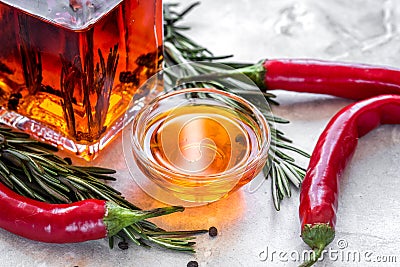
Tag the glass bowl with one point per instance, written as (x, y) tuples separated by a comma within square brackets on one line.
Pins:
[(198, 145)]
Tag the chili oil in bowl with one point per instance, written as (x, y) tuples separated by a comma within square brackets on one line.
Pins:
[(200, 144)]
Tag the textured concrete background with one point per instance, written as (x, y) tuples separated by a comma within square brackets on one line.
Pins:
[(249, 227)]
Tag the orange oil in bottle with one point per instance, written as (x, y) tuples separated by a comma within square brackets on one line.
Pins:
[(69, 69)]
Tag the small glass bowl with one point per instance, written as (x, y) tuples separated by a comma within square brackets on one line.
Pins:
[(221, 129)]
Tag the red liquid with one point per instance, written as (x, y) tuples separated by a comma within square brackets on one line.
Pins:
[(71, 76)]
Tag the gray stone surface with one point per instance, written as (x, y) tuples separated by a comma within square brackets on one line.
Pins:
[(368, 217)]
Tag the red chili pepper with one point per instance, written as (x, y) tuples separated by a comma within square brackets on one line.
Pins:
[(67, 223), (334, 149), (347, 80)]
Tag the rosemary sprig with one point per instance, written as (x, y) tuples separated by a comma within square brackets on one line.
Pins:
[(31, 169), (180, 49)]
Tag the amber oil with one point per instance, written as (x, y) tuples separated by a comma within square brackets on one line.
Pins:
[(200, 144)]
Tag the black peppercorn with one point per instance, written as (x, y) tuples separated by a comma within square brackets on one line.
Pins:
[(192, 264), (213, 231), (68, 160), (123, 245)]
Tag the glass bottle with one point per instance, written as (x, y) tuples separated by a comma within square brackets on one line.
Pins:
[(69, 68)]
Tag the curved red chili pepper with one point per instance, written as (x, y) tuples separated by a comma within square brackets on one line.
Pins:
[(67, 223), (335, 147)]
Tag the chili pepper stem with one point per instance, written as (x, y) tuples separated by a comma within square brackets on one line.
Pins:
[(313, 257), (118, 217), (255, 72), (317, 236)]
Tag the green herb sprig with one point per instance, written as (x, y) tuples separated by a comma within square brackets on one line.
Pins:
[(180, 49)]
